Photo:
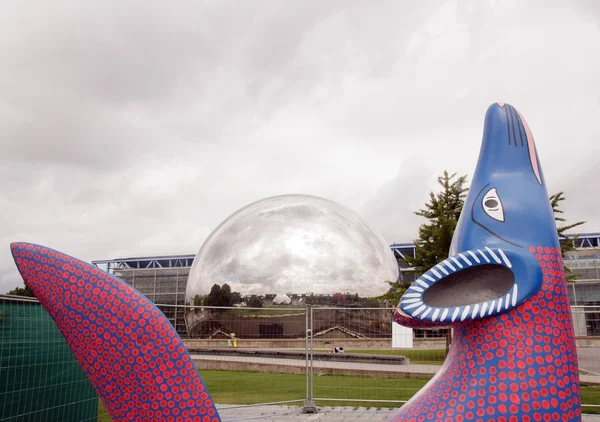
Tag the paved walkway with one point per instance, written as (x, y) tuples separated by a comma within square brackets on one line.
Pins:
[(408, 369), (589, 359), (330, 414)]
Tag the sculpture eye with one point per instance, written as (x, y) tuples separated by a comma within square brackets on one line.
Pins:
[(492, 205)]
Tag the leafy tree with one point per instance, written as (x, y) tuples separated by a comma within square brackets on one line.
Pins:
[(198, 300), (566, 244), (219, 296), (236, 297), (20, 291), (370, 302), (395, 292), (212, 298), (254, 302), (226, 295), (442, 211)]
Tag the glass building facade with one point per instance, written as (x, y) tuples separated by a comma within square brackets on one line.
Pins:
[(163, 286), (585, 291)]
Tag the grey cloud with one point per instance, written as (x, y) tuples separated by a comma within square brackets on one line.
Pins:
[(391, 209)]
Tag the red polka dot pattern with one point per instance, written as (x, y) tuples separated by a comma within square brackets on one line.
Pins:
[(517, 366), (130, 352)]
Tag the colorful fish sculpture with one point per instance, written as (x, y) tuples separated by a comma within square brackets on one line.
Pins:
[(503, 292)]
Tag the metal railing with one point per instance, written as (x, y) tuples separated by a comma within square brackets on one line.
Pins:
[(348, 352), (340, 356)]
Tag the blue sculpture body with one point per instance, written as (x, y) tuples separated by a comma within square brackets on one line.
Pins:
[(503, 290)]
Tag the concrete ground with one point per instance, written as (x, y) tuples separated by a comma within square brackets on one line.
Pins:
[(332, 414), (589, 359)]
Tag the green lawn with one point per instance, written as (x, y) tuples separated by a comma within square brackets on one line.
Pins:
[(240, 387)]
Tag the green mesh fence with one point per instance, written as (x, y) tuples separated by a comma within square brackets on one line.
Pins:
[(40, 379)]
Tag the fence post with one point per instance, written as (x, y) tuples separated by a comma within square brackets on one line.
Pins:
[(309, 404)]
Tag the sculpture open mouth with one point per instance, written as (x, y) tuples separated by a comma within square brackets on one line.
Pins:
[(472, 284)]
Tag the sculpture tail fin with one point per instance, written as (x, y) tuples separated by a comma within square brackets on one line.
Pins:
[(131, 353)]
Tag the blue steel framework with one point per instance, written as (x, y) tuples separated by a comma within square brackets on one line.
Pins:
[(401, 250)]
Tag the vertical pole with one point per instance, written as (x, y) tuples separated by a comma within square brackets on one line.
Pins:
[(176, 299), (309, 404), (312, 374), (306, 329)]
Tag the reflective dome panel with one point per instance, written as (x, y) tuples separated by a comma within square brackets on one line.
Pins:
[(294, 244)]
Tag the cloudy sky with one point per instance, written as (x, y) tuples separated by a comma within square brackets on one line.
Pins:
[(137, 127)]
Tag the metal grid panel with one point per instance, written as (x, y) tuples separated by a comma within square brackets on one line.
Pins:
[(40, 379)]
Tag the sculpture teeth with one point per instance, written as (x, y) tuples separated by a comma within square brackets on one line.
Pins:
[(474, 256), (422, 283), (419, 310), (504, 258), (413, 300), (442, 269), (444, 314), (407, 301), (413, 305), (484, 255), (455, 314), (449, 265), (483, 309), (428, 277), (456, 262), (465, 312), (426, 312), (491, 252), (465, 259)]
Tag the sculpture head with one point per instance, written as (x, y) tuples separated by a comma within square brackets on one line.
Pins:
[(507, 215), (504, 293), (507, 206)]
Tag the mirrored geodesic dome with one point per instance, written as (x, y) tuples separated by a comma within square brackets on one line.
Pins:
[(293, 245)]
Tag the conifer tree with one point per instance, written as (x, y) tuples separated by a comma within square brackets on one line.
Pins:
[(566, 244), (442, 212)]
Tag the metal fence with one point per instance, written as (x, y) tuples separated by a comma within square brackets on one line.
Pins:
[(313, 356), (332, 356), (40, 379)]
